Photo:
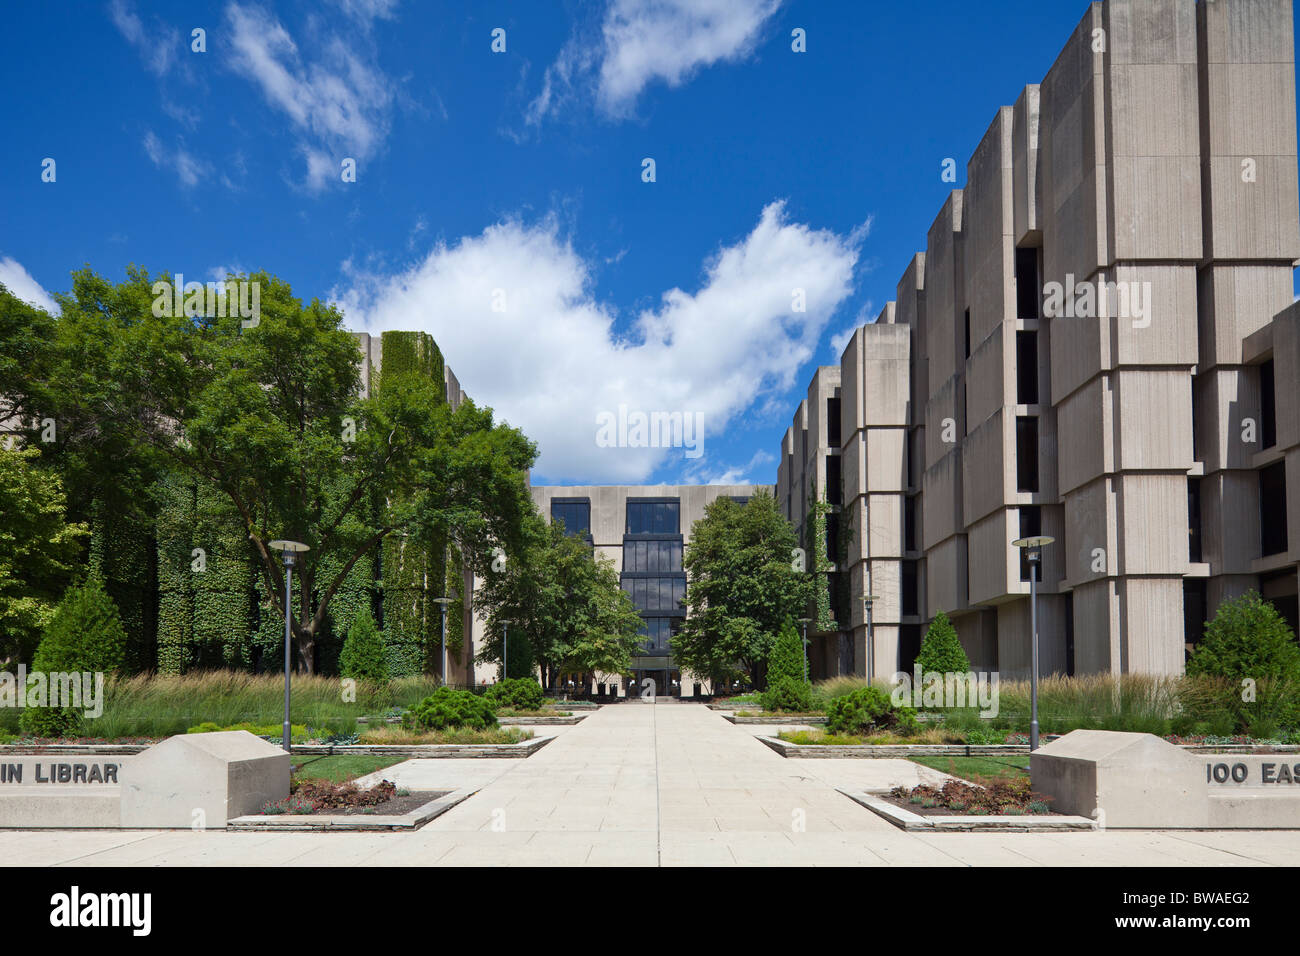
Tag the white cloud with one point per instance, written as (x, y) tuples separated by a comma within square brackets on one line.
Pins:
[(841, 338), (157, 45), (338, 106), (189, 168), (741, 475), (20, 282), (554, 360), (643, 41), (365, 11)]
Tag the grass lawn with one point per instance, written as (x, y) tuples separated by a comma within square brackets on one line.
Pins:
[(342, 767), (1008, 766)]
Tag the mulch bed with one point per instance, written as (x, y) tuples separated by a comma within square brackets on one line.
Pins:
[(960, 798), (321, 798)]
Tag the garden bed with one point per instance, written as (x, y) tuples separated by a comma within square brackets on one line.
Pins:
[(776, 719), (392, 816), (905, 818)]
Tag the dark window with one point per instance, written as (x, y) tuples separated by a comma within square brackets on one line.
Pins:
[(656, 594), (833, 538), (909, 523), (653, 517), (1031, 526), (1267, 405), (833, 422), (968, 333), (911, 593), (907, 453), (1272, 509), (1279, 590), (909, 646), (1027, 291), (656, 633), (574, 513), (1069, 635), (1026, 368), (1027, 453), (1194, 520), (741, 500), (834, 491), (652, 556), (1194, 608)]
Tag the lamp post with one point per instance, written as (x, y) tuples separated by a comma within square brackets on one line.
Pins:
[(804, 621), (288, 553), (443, 602), (867, 601), (1033, 549)]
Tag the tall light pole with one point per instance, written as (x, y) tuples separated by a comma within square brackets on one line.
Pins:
[(288, 552), (804, 621), (867, 601), (1033, 549), (505, 648), (443, 602)]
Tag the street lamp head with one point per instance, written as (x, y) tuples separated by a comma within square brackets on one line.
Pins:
[(442, 600), (288, 550), (869, 598), (1035, 542)]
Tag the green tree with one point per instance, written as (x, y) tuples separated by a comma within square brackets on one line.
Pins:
[(786, 662), (85, 634), (565, 601), (270, 414), (941, 651), (743, 583), (787, 686), (363, 656), (38, 550), (1247, 638)]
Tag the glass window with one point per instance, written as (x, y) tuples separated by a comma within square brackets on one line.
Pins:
[(652, 517), (575, 515)]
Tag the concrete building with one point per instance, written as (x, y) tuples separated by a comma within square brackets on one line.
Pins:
[(643, 530), (1097, 344)]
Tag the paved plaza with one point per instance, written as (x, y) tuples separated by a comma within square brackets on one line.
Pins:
[(648, 784)]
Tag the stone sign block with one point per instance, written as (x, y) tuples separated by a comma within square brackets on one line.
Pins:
[(1139, 781), (40, 792), (202, 780)]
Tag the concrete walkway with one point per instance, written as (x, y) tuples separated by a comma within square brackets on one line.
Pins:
[(653, 784)]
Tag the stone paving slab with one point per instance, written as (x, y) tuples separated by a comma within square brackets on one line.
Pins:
[(641, 784)]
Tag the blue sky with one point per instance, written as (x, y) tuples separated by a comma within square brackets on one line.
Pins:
[(499, 200)]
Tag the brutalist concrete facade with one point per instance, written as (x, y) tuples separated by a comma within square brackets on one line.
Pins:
[(1097, 344)]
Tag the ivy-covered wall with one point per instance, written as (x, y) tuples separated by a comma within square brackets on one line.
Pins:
[(412, 570), (205, 580), (192, 595), (122, 552)]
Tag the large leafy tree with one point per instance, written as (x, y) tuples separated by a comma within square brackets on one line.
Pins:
[(26, 349), (269, 412), (743, 583), (565, 600), (39, 550)]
